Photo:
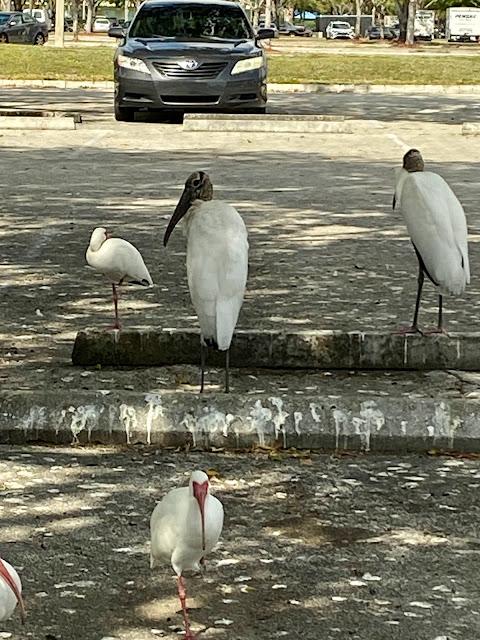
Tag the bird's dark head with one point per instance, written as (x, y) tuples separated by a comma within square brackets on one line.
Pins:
[(413, 161), (197, 187)]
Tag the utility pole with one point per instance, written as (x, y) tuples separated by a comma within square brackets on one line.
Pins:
[(59, 22), (126, 11)]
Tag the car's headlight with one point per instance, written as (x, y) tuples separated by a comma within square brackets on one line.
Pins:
[(249, 64), (132, 63)]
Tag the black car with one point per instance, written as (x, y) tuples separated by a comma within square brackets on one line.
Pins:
[(189, 54), (374, 33), (289, 29), (21, 28)]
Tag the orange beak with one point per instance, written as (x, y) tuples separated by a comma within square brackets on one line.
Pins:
[(4, 573)]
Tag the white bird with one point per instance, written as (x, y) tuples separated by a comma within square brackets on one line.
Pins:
[(10, 592), (437, 227), (184, 527), (217, 263), (119, 261)]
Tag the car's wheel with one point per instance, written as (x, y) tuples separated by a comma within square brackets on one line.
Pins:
[(3, 38), (39, 39), (123, 114)]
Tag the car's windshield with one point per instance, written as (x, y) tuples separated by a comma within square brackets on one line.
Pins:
[(191, 21), (341, 25), (4, 17)]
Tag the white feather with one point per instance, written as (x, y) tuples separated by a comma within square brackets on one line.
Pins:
[(437, 226), (116, 259), (8, 600), (217, 267), (176, 529)]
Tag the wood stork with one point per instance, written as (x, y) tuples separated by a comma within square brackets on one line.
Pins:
[(437, 227), (217, 263), (184, 527), (10, 592), (119, 261)]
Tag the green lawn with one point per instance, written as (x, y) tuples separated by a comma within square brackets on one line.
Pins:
[(95, 63)]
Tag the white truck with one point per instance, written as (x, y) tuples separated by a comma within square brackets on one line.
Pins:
[(424, 24), (463, 24)]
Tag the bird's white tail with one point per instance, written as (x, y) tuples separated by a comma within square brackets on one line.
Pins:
[(227, 310)]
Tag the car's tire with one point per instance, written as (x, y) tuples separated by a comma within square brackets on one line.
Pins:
[(258, 110), (39, 39), (123, 114), (3, 38)]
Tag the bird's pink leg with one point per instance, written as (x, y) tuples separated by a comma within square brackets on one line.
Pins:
[(116, 324), (182, 594)]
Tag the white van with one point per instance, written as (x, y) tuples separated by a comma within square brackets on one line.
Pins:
[(42, 15)]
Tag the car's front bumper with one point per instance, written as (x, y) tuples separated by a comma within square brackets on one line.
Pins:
[(138, 90)]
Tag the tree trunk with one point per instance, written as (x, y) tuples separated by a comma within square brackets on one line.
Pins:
[(358, 18), (412, 10), (89, 20), (402, 11), (75, 7), (268, 13)]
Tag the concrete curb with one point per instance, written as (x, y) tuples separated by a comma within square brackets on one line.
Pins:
[(240, 421), (266, 123), (37, 122), (282, 350), (316, 87)]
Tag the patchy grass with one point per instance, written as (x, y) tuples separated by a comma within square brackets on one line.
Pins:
[(95, 63), (18, 62), (375, 69)]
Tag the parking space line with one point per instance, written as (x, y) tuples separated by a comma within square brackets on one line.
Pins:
[(398, 141), (90, 142)]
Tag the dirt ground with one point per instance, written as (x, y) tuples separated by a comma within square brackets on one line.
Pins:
[(314, 547)]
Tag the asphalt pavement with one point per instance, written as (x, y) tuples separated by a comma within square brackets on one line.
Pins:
[(314, 547)]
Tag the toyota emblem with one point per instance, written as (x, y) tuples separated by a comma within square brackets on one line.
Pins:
[(189, 65)]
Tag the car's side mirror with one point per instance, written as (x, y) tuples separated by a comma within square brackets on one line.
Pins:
[(265, 34), (12, 23), (116, 32)]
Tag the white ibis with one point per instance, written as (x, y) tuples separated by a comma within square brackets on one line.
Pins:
[(438, 229), (184, 527), (10, 592), (119, 261), (217, 263)]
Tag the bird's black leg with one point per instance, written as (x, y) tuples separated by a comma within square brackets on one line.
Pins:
[(203, 358), (116, 324), (440, 313), (227, 371), (421, 278)]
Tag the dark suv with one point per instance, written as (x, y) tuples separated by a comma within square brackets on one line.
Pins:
[(189, 54)]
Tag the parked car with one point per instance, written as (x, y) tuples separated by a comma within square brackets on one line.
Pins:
[(188, 54), (339, 29), (21, 28), (375, 33), (101, 24), (42, 15), (289, 29), (273, 27)]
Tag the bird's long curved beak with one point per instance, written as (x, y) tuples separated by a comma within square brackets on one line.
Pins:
[(4, 573), (200, 492), (186, 199)]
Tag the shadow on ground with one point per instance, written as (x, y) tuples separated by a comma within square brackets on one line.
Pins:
[(339, 548)]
